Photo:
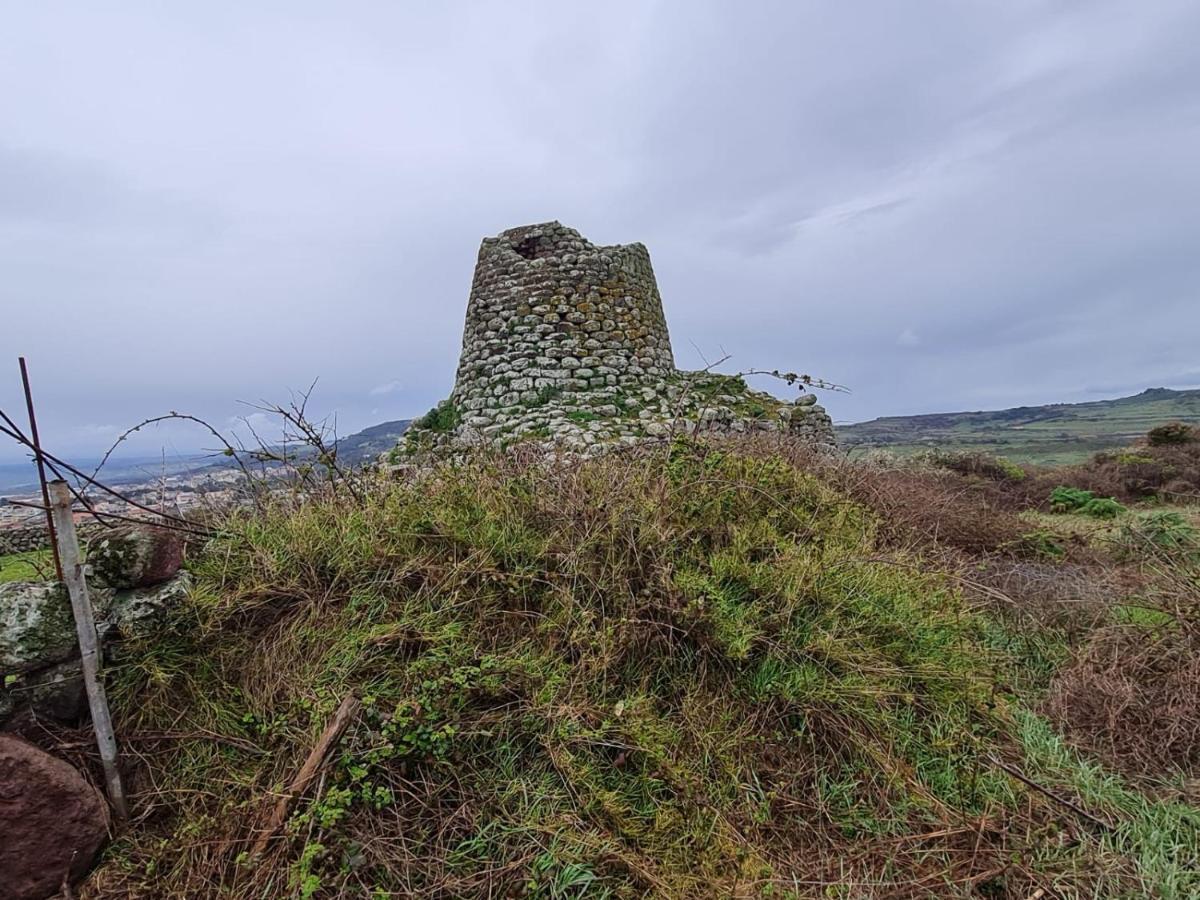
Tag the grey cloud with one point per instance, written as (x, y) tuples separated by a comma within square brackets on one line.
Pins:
[(218, 204)]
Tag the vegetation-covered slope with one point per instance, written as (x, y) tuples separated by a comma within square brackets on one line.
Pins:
[(1055, 434), (690, 670)]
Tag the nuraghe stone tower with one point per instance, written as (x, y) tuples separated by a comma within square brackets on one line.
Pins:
[(566, 342)]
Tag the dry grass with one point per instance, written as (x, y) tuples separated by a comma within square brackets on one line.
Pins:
[(697, 669), (683, 671), (917, 506), (1132, 694), (1170, 472)]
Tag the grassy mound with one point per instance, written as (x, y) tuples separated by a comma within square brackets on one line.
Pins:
[(685, 671)]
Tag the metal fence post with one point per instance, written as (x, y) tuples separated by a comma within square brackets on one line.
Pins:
[(89, 644)]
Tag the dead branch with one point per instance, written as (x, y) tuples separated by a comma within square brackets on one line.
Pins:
[(228, 448), (1062, 801), (316, 758)]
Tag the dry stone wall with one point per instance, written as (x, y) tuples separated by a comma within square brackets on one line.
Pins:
[(28, 538), (549, 310), (134, 578), (566, 342)]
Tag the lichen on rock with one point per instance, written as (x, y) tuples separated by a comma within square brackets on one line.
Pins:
[(39, 646), (135, 556), (36, 625)]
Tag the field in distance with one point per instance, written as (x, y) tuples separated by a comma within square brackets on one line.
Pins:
[(1056, 434)]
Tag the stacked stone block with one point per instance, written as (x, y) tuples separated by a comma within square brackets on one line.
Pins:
[(566, 342), (551, 312)]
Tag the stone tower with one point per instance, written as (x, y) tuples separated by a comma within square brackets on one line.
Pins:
[(565, 343), (550, 311)]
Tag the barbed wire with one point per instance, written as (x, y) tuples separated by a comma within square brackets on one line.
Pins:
[(57, 465)]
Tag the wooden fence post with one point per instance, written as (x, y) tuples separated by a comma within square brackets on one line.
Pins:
[(89, 644)]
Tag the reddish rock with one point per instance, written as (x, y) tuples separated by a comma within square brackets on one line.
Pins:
[(135, 556), (52, 822)]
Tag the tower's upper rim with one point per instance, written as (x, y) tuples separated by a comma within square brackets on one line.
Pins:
[(551, 238)]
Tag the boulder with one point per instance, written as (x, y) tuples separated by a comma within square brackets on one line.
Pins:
[(39, 649), (56, 693), (132, 611), (54, 822), (135, 556), (36, 625)]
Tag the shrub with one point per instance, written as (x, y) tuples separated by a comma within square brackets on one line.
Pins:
[(935, 508), (442, 418), (1133, 458), (1068, 499), (1165, 470), (1132, 695), (1171, 433), (1102, 508), (995, 468), (1042, 542), (1163, 530)]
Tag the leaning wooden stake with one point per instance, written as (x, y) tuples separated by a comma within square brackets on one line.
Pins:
[(89, 644), (329, 737), (41, 464)]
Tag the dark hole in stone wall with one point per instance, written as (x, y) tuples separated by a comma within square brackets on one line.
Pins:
[(531, 247)]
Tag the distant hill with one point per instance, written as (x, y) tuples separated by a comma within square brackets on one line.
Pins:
[(366, 445), (355, 449), (20, 479), (1054, 434)]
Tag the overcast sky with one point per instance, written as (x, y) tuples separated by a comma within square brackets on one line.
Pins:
[(942, 205)]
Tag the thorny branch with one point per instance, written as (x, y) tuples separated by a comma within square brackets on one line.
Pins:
[(317, 450), (790, 378)]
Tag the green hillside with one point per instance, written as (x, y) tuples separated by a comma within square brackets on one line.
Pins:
[(684, 671), (1055, 434)]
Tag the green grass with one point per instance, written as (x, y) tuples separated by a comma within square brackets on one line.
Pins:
[(683, 671), (1129, 534), (30, 566), (442, 418), (1158, 839), (675, 673), (1058, 434)]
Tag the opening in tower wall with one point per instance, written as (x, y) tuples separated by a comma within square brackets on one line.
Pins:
[(529, 247)]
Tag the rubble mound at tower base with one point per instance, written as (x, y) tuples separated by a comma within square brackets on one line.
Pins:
[(593, 419)]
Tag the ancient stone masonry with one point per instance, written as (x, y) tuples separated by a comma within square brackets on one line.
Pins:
[(27, 538), (550, 311), (566, 342), (135, 578)]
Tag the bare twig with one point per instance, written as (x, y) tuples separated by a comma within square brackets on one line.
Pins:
[(229, 450), (1063, 801), (793, 378)]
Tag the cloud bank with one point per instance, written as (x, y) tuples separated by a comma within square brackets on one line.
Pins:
[(940, 205)]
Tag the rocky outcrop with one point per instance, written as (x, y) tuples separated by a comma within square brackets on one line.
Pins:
[(36, 626), (135, 556), (566, 343), (53, 822), (38, 643), (39, 648)]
